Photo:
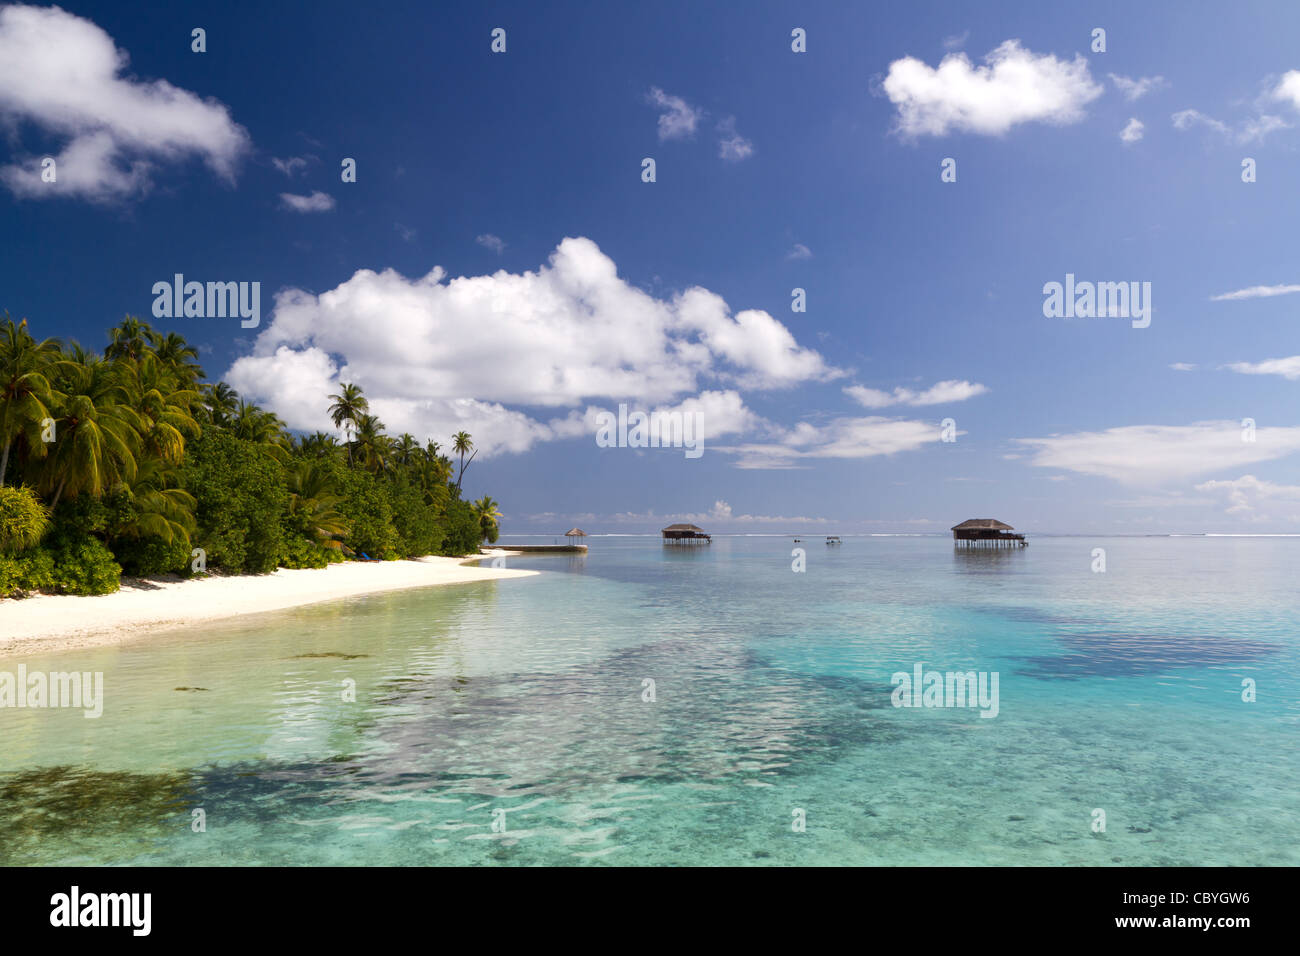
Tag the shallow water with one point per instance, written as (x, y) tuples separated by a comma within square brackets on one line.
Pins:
[(520, 703)]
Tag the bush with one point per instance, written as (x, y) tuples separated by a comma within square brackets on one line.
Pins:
[(241, 501), (83, 565), (152, 555), (302, 553), (23, 519), (420, 530), (463, 531), (368, 512), (31, 570)]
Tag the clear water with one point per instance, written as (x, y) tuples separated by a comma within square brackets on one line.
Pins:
[(521, 702)]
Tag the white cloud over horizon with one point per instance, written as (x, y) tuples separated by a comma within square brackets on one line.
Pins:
[(435, 355), (1161, 454), (1132, 131), (65, 75), (1013, 86)]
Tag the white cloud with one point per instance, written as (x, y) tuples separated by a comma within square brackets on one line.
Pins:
[(1136, 89), (1256, 292), (289, 166), (799, 251), (63, 74), (1288, 368), (1132, 132), (1185, 119), (952, 390), (679, 119), (489, 241), (732, 146), (1251, 130), (431, 352), (840, 438), (1288, 88), (956, 41), (316, 202), (1157, 454), (1247, 493), (1014, 86), (1183, 367)]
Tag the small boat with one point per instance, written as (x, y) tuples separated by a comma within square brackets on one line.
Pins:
[(833, 539)]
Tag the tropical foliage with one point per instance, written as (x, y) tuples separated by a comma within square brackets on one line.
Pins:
[(128, 461)]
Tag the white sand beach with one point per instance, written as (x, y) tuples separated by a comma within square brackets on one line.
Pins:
[(61, 622)]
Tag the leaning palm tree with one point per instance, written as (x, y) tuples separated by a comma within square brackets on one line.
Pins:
[(25, 390), (461, 443), (349, 405)]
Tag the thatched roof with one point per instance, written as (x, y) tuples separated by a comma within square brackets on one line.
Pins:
[(982, 524), (684, 527), (575, 533)]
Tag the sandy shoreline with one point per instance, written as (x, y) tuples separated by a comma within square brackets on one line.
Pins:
[(63, 622)]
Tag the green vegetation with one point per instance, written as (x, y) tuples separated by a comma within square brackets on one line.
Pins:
[(126, 461)]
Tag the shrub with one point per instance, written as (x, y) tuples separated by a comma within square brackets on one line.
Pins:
[(463, 531), (23, 519), (83, 565), (31, 570), (302, 553), (240, 502), (420, 530), (152, 555), (368, 511)]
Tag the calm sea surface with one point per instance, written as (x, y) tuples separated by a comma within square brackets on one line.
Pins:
[(506, 722)]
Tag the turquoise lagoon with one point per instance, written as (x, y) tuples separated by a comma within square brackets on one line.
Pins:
[(521, 703)]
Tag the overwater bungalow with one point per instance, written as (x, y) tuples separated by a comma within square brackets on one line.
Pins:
[(573, 534), (685, 534), (986, 533)]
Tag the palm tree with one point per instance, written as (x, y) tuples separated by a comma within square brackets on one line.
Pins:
[(162, 509), (486, 511), (313, 507), (178, 356), (99, 431), (164, 405), (406, 449), (318, 445), (25, 390), (349, 405), (374, 445), (253, 424), (221, 403), (461, 443), (129, 340)]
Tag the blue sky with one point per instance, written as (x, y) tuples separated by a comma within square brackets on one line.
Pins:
[(565, 282)]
